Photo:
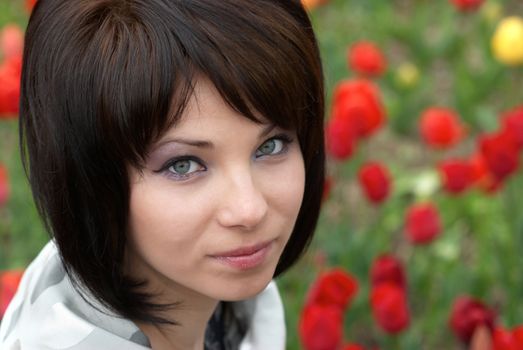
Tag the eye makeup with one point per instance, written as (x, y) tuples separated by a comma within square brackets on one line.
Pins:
[(177, 161), (274, 146), (182, 168)]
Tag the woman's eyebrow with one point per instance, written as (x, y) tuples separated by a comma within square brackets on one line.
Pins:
[(190, 142), (208, 144)]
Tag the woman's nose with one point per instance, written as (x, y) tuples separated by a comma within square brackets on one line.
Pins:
[(243, 204)]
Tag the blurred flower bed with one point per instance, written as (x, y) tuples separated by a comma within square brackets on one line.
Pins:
[(420, 238), (419, 241)]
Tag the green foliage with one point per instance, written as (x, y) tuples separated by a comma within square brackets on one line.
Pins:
[(21, 231)]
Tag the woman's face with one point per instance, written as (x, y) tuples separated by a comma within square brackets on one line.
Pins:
[(216, 203)]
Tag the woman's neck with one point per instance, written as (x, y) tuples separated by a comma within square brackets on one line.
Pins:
[(191, 313), (189, 333)]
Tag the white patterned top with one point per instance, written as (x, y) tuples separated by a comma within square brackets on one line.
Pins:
[(47, 313)]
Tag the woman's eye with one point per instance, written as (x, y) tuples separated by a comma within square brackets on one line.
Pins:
[(182, 168), (272, 146)]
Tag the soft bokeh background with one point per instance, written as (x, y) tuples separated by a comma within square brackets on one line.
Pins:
[(437, 55)]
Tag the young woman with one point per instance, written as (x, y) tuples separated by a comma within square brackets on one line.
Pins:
[(175, 152)]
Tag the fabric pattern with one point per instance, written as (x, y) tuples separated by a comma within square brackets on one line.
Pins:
[(48, 313)]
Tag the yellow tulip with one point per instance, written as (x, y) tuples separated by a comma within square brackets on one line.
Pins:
[(507, 42), (407, 75)]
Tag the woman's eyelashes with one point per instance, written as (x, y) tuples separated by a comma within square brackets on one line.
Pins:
[(276, 145), (185, 167)]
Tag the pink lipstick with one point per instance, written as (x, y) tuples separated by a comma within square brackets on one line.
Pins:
[(246, 257)]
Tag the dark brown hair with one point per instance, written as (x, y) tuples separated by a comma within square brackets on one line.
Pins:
[(103, 79)]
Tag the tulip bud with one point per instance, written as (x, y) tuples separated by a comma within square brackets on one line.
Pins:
[(407, 75), (507, 42)]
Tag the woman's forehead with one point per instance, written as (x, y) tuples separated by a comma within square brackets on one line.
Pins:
[(208, 116)]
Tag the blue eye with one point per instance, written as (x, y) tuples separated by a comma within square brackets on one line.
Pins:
[(183, 168), (273, 146)]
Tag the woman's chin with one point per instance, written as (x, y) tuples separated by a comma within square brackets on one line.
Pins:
[(238, 291)]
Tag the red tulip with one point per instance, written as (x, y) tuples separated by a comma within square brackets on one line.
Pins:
[(456, 174), (320, 327), (334, 288), (517, 333), (388, 269), (513, 126), (353, 346), (312, 4), (12, 67), (440, 127), (340, 139), (11, 41), (467, 5), (422, 223), (481, 176), (504, 339), (389, 307), (10, 73), (9, 281), (501, 154), (467, 314), (358, 103), (4, 186), (375, 180), (29, 4), (366, 58)]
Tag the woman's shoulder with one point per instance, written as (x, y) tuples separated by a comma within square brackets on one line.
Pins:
[(48, 312)]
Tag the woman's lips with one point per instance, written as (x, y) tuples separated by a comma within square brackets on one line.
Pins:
[(246, 257)]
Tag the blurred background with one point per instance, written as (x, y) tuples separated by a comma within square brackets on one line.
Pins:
[(420, 240)]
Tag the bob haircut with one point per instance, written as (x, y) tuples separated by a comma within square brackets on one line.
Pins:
[(102, 80)]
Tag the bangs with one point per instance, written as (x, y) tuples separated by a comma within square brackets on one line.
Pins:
[(148, 67), (254, 70)]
